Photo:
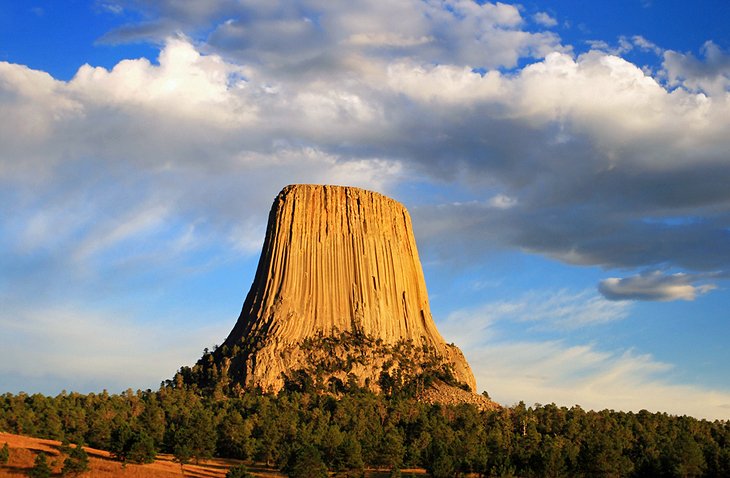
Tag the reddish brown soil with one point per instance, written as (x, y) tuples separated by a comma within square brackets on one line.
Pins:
[(23, 451)]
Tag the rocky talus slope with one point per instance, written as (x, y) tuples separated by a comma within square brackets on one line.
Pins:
[(339, 294)]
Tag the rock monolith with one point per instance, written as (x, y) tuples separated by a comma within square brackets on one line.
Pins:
[(338, 263)]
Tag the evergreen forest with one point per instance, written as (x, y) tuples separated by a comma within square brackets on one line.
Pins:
[(308, 432)]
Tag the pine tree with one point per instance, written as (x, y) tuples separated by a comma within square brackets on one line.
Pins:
[(41, 468), (130, 446), (120, 442), (306, 462), (141, 448), (182, 454), (77, 462), (239, 471), (4, 454)]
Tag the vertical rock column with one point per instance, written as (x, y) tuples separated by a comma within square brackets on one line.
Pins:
[(336, 258)]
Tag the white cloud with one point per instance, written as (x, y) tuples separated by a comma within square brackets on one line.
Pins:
[(387, 39), (626, 44), (655, 286), (373, 117), (646, 45), (445, 83), (500, 201), (544, 19), (593, 130), (566, 157), (110, 7), (108, 235), (549, 309), (298, 35), (137, 150), (709, 74), (184, 84), (553, 372)]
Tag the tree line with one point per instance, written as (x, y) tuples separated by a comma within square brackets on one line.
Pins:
[(295, 430)]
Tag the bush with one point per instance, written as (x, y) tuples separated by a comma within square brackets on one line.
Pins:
[(76, 463), (142, 449), (130, 446), (306, 462), (4, 454), (40, 469), (239, 471)]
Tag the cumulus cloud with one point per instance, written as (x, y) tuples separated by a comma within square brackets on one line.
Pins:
[(175, 152), (709, 74), (298, 36), (654, 286), (643, 163), (423, 98), (374, 95), (586, 159)]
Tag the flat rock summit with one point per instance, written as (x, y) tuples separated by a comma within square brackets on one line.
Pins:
[(338, 297)]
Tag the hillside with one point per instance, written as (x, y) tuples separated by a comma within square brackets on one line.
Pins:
[(23, 450)]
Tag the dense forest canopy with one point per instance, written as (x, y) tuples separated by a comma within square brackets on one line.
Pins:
[(355, 429)]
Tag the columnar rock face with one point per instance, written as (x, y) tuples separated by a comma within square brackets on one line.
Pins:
[(335, 259)]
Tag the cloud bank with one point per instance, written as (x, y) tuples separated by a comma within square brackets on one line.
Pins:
[(597, 163), (526, 145)]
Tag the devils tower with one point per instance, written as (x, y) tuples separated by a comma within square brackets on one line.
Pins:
[(339, 292)]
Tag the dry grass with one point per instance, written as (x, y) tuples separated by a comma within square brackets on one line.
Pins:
[(23, 451)]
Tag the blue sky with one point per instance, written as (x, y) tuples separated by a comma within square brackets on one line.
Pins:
[(565, 164)]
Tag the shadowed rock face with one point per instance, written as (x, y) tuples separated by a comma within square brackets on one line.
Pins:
[(335, 259)]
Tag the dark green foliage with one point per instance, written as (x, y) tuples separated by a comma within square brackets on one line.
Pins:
[(77, 461), (41, 468), (306, 462), (142, 449), (129, 446), (234, 435), (192, 435), (392, 448), (65, 447), (440, 461), (121, 438), (182, 453), (409, 367), (348, 431), (4, 454), (395, 473), (239, 471), (348, 455)]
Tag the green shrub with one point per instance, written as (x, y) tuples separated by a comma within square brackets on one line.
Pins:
[(306, 462), (239, 471), (41, 468), (76, 463), (4, 454)]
